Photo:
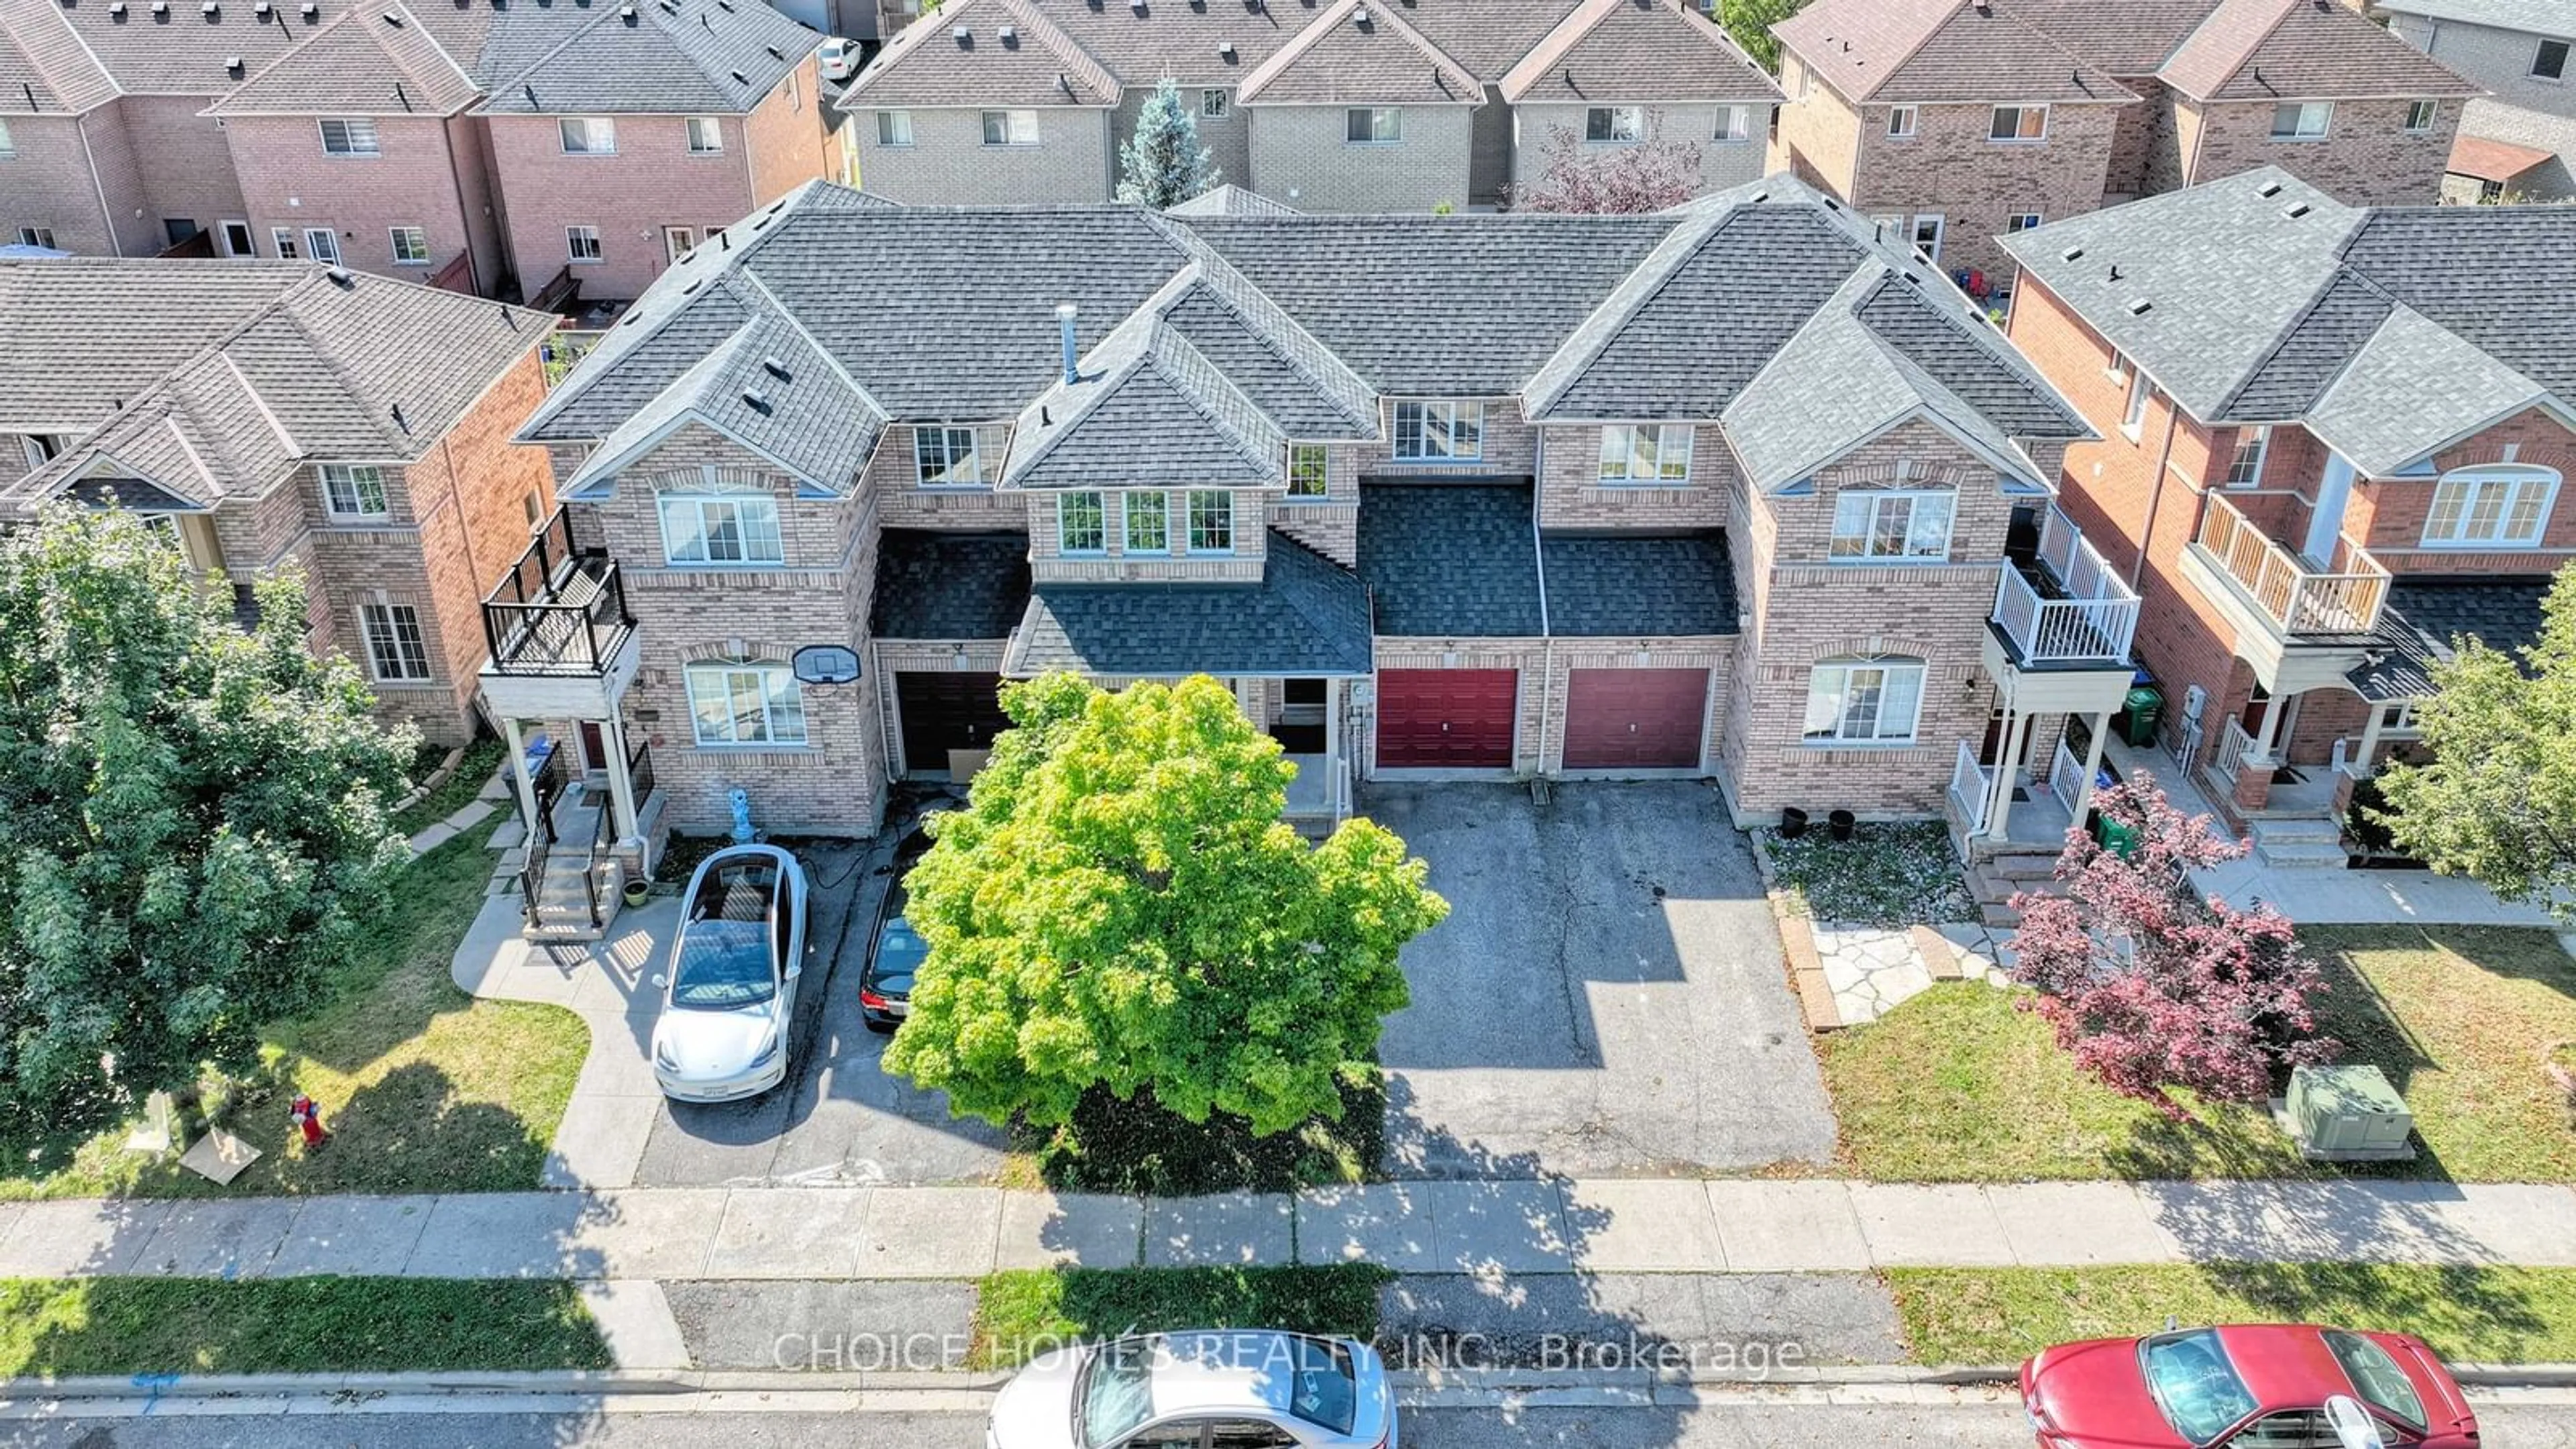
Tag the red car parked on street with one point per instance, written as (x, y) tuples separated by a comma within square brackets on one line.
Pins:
[(2262, 1386)]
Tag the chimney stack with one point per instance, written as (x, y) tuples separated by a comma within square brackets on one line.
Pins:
[(1065, 313)]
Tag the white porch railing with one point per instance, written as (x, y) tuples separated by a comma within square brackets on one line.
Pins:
[(2297, 599), (2066, 781), (2228, 755), (1971, 787), (2097, 619)]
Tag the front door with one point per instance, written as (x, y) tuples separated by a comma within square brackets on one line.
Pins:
[(237, 242), (1927, 235), (594, 746), (678, 241)]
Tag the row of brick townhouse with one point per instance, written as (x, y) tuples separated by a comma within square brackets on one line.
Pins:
[(1721, 492), (1347, 105), (497, 148), (1958, 123), (2332, 440), (264, 414), (2518, 141)]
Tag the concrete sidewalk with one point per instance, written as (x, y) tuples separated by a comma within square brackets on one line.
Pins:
[(1515, 1226)]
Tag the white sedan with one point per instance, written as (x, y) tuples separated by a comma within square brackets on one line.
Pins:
[(1205, 1389), (729, 999)]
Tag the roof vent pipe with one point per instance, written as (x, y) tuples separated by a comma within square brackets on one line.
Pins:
[(1065, 313)]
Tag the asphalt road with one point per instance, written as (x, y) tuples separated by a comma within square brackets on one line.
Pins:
[(1992, 1426)]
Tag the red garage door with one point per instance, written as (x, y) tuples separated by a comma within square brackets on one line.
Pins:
[(943, 711), (1447, 718), (1635, 719)]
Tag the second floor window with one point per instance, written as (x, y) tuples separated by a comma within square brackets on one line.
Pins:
[(1081, 524), (588, 135), (1900, 122), (948, 457), (8, 148), (2133, 412), (355, 136), (731, 528), (1373, 125), (1211, 522), (706, 136), (1659, 454), (2019, 123), (1310, 470), (1614, 123), (752, 703), (2549, 62), (1886, 524), (349, 492), (1439, 432), (2302, 120), (894, 128), (2245, 466), (1212, 104), (395, 648), (411, 246), (2020, 221), (2505, 507), (1149, 523), (1010, 128), (1734, 123), (323, 244), (581, 244)]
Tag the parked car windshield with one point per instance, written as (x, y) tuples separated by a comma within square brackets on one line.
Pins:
[(900, 952), (2376, 1376), (1117, 1393), (725, 959), (2199, 1391), (1326, 1391)]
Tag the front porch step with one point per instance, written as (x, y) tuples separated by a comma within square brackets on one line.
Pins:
[(2295, 829), (2302, 854), (2023, 865)]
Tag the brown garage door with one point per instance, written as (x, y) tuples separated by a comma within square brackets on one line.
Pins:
[(1635, 719), (942, 712), (1446, 718)]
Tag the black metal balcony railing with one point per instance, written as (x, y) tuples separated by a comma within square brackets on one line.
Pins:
[(561, 610)]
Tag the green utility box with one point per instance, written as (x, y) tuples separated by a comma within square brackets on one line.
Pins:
[(2348, 1114)]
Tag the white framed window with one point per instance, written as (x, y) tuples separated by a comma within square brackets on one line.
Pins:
[(8, 148), (2302, 120), (587, 135), (396, 650), (2021, 221), (1373, 125), (1657, 454), (2549, 61), (2499, 506), (958, 457), (1900, 123), (43, 236), (281, 237), (757, 702), (1010, 128), (1213, 103), (1734, 124), (2018, 124), (1864, 699), (581, 244), (322, 244), (2420, 116), (352, 136), (2119, 367), (1211, 521), (721, 529), (2133, 413), (411, 246), (1614, 124), (2245, 465), (353, 492), (706, 136), (1310, 470), (1929, 227), (1148, 524), (894, 128), (1439, 432), (1876, 524), (2398, 722), (1081, 524)]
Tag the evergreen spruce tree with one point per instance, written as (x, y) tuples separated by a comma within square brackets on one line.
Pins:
[(1164, 164)]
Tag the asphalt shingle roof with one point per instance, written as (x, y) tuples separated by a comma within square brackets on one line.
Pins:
[(2503, 277), (1308, 616), (1941, 50), (93, 55), (1451, 560), (1641, 587), (698, 56), (1636, 50), (2261, 50), (365, 63), (1358, 51), (930, 63), (933, 585), (1148, 409), (769, 388), (2539, 17), (2411, 389), (2423, 618), (2129, 39)]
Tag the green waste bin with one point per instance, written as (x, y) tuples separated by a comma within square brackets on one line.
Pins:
[(2139, 715), (2115, 837)]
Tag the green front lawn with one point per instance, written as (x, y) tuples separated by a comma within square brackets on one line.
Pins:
[(482, 758), (424, 1088), (2004, 1315), (1026, 1310), (1957, 1085), (58, 1328)]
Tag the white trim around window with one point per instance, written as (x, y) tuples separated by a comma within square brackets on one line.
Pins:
[(2018, 125), (410, 245), (1614, 125), (2245, 464), (706, 135), (397, 651), (2420, 116), (587, 135), (1892, 525), (322, 244), (1900, 123), (1864, 700), (2302, 120), (352, 491), (958, 455), (1372, 125), (2500, 505), (349, 136), (1439, 432), (2133, 410), (1010, 128), (1652, 455), (894, 128), (8, 148), (1734, 124), (581, 245), (720, 530), (749, 702)]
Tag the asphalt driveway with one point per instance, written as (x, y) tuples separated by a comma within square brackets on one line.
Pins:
[(1606, 998)]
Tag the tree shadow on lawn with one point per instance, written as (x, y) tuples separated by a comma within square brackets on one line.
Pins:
[(2445, 1304), (1137, 1148)]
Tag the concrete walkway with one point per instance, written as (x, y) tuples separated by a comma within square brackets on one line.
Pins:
[(1485, 1227)]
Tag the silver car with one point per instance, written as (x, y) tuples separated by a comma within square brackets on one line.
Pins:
[(1204, 1389), (729, 998)]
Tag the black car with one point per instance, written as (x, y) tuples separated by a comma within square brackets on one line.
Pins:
[(895, 953)]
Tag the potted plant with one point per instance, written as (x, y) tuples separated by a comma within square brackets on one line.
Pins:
[(638, 889)]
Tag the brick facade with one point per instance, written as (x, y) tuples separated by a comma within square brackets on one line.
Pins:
[(651, 184), (1722, 164), (948, 164), (288, 182), (1302, 155), (2366, 158)]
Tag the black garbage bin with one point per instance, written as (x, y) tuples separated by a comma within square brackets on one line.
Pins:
[(2140, 713)]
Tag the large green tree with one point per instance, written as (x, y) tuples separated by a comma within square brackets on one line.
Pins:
[(192, 819), (1750, 22), (1120, 907), (2498, 800)]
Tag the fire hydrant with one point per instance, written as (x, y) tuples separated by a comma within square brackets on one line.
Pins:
[(308, 1120)]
